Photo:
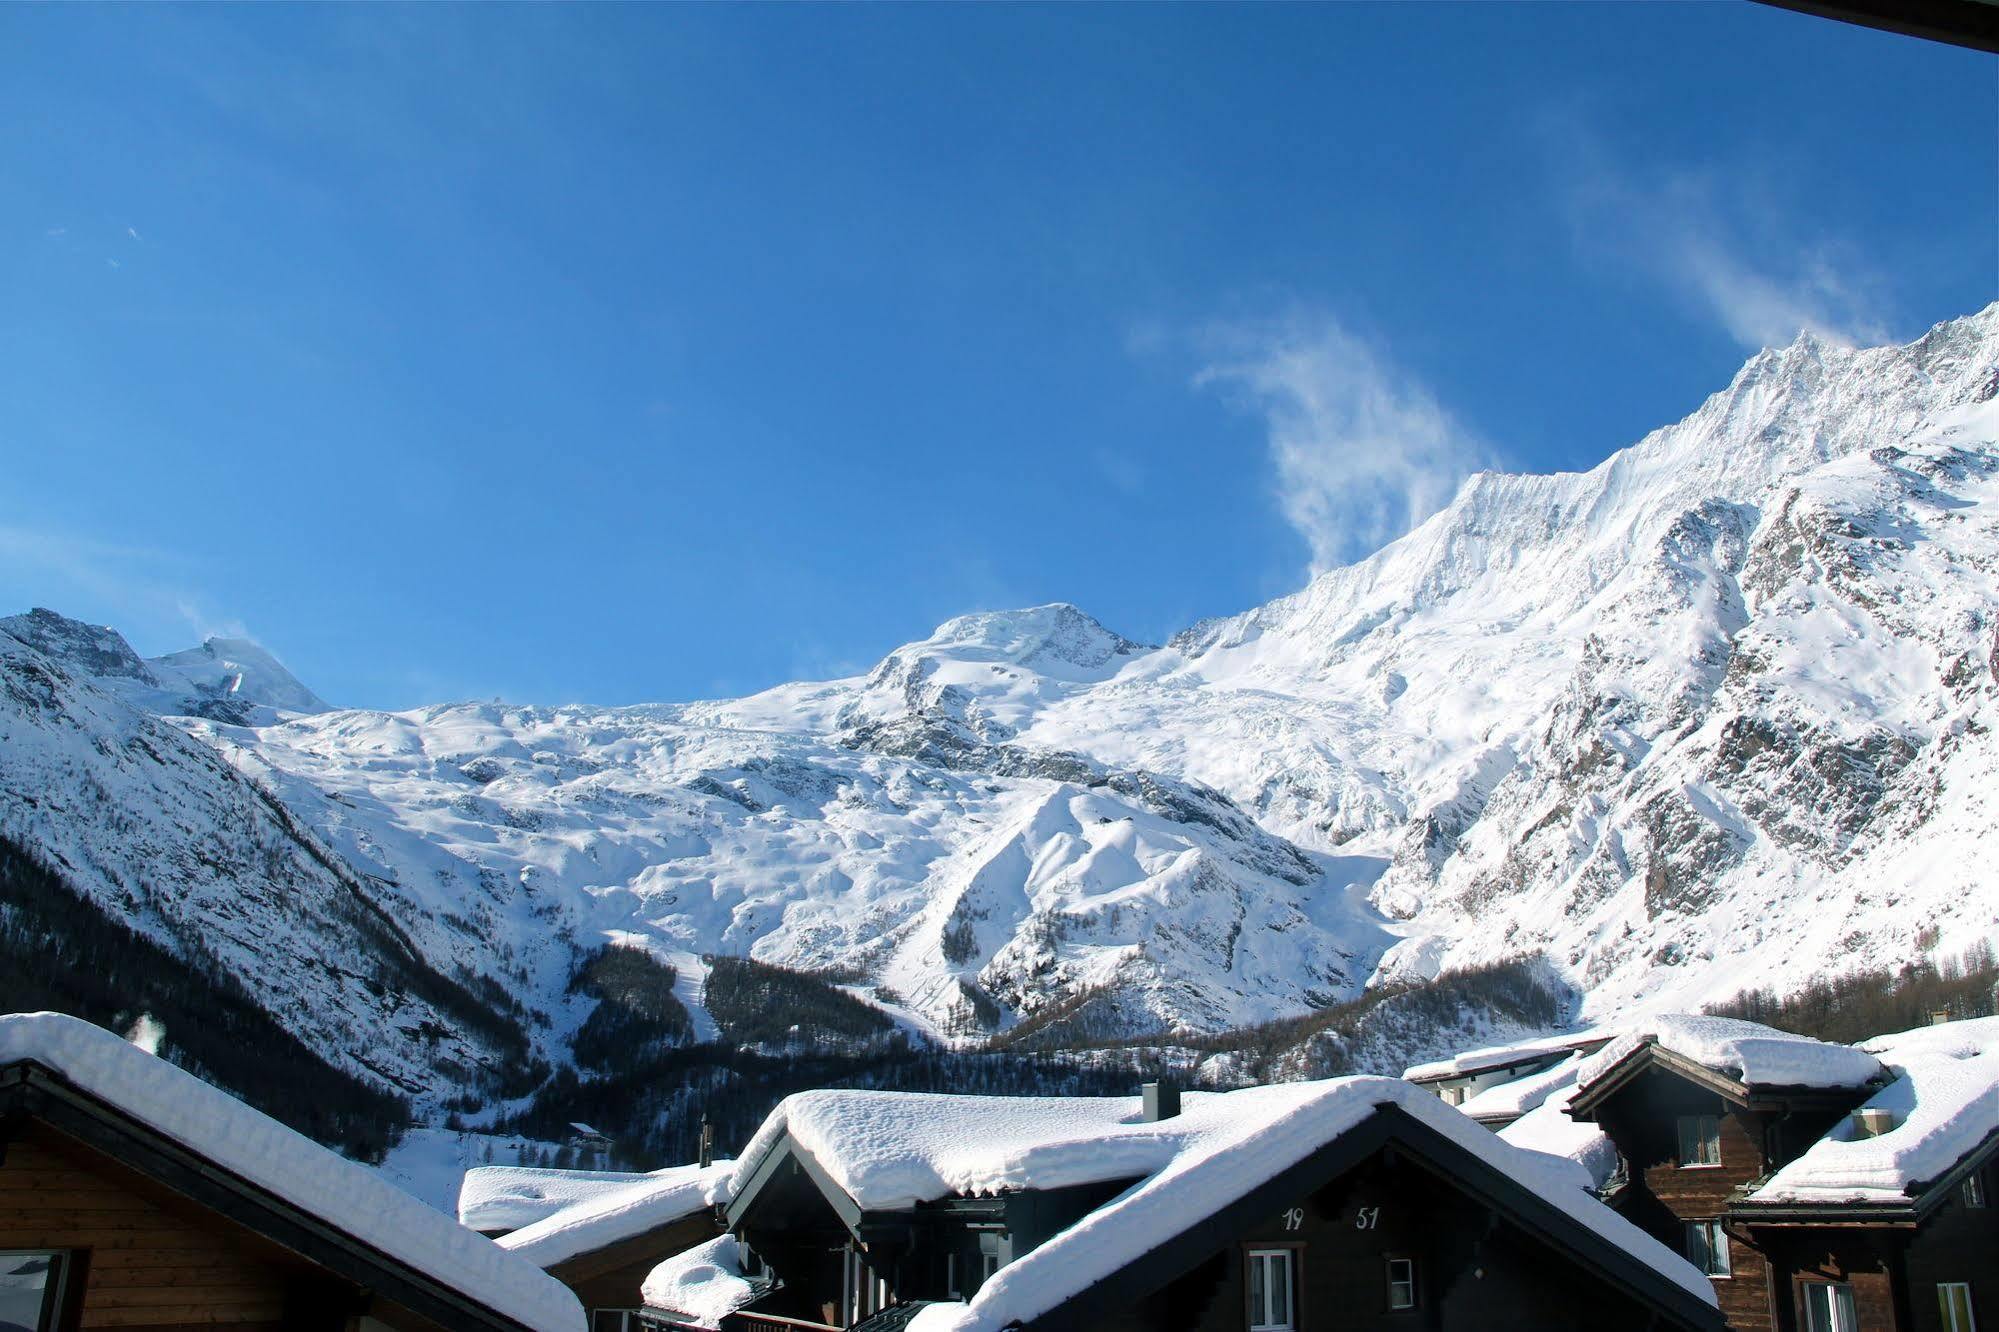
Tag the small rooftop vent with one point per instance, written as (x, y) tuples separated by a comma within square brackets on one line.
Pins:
[(1162, 1101), (1872, 1121)]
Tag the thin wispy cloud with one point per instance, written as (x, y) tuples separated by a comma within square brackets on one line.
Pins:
[(133, 232), (142, 590), (1363, 450), (1722, 247)]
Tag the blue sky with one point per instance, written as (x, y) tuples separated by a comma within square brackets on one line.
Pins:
[(624, 353)]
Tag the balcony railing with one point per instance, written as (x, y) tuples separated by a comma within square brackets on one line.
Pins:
[(765, 1322)]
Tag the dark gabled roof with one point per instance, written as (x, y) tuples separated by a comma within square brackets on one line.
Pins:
[(1650, 1055), (30, 1090), (772, 1166), (1970, 23), (1388, 1126)]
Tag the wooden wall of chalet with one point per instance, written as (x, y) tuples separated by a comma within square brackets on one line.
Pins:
[(1956, 1243), (1861, 1257), (148, 1264), (154, 1261), (1472, 1270), (1643, 1119), (1894, 1271)]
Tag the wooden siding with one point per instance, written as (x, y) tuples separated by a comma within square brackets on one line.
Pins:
[(1955, 1243), (148, 1265), (1643, 1120), (1862, 1257)]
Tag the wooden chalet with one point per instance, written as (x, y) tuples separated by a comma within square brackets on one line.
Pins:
[(134, 1196), (1820, 1190), (1357, 1203), (603, 1247)]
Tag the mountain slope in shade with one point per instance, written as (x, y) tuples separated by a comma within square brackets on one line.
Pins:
[(1719, 709), (157, 828)]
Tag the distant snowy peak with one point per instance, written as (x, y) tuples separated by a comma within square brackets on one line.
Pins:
[(1055, 639), (236, 668), (987, 674), (225, 679)]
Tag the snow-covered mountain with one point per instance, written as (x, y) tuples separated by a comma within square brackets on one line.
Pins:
[(1719, 710)]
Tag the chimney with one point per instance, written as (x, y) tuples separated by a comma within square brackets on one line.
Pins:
[(1162, 1101), (1872, 1121), (707, 1143), (1939, 1016)]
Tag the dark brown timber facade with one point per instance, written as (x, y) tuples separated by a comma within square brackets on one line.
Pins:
[(1695, 1144)]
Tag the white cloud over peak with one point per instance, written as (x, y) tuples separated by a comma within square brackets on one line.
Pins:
[(1363, 450), (1723, 246)]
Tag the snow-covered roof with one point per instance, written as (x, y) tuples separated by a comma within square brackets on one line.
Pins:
[(509, 1197), (1515, 1097), (658, 1199), (705, 1284), (1539, 1106), (1485, 1059), (1944, 1101), (349, 1197), (1747, 1052), (890, 1150)]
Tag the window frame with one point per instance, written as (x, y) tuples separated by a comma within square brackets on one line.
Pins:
[(1805, 1320), (1972, 1190), (1705, 1140), (1389, 1283), (1947, 1310), (1271, 1250), (54, 1315), (1714, 1243)]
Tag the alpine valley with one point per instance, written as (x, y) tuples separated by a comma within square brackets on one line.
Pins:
[(1719, 712)]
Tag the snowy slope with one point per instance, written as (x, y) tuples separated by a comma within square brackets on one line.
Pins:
[(1718, 710), (160, 830)]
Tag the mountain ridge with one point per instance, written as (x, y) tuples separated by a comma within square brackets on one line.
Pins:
[(1715, 710)]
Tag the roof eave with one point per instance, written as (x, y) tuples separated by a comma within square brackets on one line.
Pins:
[(34, 1090), (1388, 1125)]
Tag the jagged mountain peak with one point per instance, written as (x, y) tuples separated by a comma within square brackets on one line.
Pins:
[(1785, 411), (93, 649), (225, 679)]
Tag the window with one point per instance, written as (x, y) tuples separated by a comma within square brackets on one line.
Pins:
[(31, 1289), (1401, 1283), (1954, 1303), (951, 1276), (1828, 1307), (1700, 1140), (1270, 1291), (1973, 1190), (614, 1320), (993, 1253), (1707, 1248)]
